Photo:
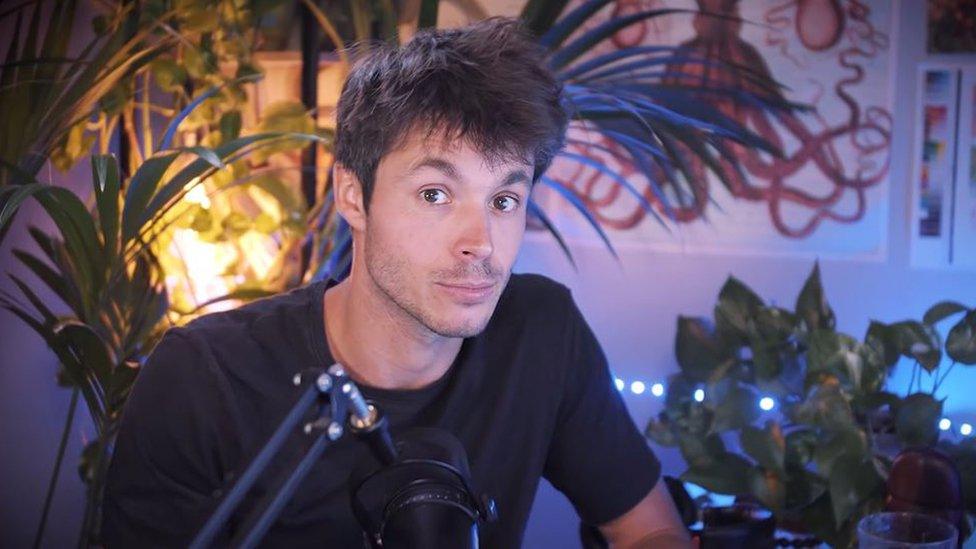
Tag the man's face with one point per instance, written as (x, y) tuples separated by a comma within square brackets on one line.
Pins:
[(443, 230)]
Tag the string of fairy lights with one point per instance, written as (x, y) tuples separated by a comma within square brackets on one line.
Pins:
[(765, 403)]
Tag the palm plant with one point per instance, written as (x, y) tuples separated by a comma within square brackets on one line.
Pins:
[(105, 270), (47, 96)]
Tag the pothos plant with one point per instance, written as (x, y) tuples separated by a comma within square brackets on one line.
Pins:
[(821, 459)]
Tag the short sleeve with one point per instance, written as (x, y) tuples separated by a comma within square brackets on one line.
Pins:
[(171, 450), (597, 456)]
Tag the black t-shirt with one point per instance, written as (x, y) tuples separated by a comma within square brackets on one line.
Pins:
[(531, 396)]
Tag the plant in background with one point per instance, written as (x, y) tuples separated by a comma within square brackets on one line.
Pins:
[(49, 97), (821, 461), (103, 267)]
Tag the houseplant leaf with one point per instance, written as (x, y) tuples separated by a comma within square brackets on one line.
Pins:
[(942, 310), (811, 305), (917, 420), (961, 342), (700, 353)]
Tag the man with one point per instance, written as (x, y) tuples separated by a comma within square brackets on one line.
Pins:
[(438, 145)]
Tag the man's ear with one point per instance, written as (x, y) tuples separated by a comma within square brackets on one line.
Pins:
[(348, 193)]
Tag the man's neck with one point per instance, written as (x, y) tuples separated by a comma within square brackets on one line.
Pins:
[(378, 343)]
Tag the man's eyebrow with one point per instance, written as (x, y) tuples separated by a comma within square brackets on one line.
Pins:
[(438, 164), (517, 176), (448, 169)]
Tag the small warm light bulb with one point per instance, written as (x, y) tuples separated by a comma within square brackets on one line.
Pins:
[(945, 424), (620, 384), (699, 395), (657, 389), (966, 429), (637, 387), (767, 403)]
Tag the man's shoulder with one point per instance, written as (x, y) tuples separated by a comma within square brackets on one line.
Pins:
[(242, 331), (537, 289), (534, 297), (285, 303)]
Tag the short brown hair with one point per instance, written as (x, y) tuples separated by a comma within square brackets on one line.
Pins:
[(487, 83)]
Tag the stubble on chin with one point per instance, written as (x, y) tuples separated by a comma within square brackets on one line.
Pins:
[(390, 275)]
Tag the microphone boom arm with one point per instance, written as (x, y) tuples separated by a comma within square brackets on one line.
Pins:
[(344, 402)]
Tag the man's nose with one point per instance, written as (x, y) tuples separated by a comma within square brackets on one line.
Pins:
[(474, 238)]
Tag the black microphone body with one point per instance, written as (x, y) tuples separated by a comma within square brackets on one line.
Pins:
[(424, 499)]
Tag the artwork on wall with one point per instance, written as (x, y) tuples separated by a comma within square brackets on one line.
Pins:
[(944, 172), (951, 26), (827, 195)]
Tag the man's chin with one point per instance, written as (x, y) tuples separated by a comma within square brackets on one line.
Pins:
[(461, 328)]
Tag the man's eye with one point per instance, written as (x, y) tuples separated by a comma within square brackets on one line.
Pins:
[(506, 203), (434, 196)]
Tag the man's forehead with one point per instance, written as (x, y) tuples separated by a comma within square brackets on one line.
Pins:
[(443, 153)]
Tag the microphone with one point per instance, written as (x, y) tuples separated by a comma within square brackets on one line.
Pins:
[(424, 499), (422, 496)]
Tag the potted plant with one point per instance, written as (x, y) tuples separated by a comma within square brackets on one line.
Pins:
[(821, 459)]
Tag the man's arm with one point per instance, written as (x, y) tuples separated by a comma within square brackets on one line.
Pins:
[(653, 522), (601, 461)]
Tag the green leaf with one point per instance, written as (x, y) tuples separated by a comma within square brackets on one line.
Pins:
[(802, 489), (735, 405), (119, 386), (873, 401), (833, 354), (169, 75), (766, 446), (853, 480), (48, 316), (769, 487), (961, 342), (51, 278), (942, 310), (799, 448), (108, 184), (825, 407), (885, 342), (727, 474), (284, 117), (835, 444), (200, 168), (918, 341), (699, 352), (917, 420), (230, 126), (811, 305), (89, 349), (141, 189), (660, 431), (700, 451), (736, 310), (78, 228), (775, 323)]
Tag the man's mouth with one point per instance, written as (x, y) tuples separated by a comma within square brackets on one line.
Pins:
[(468, 292)]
